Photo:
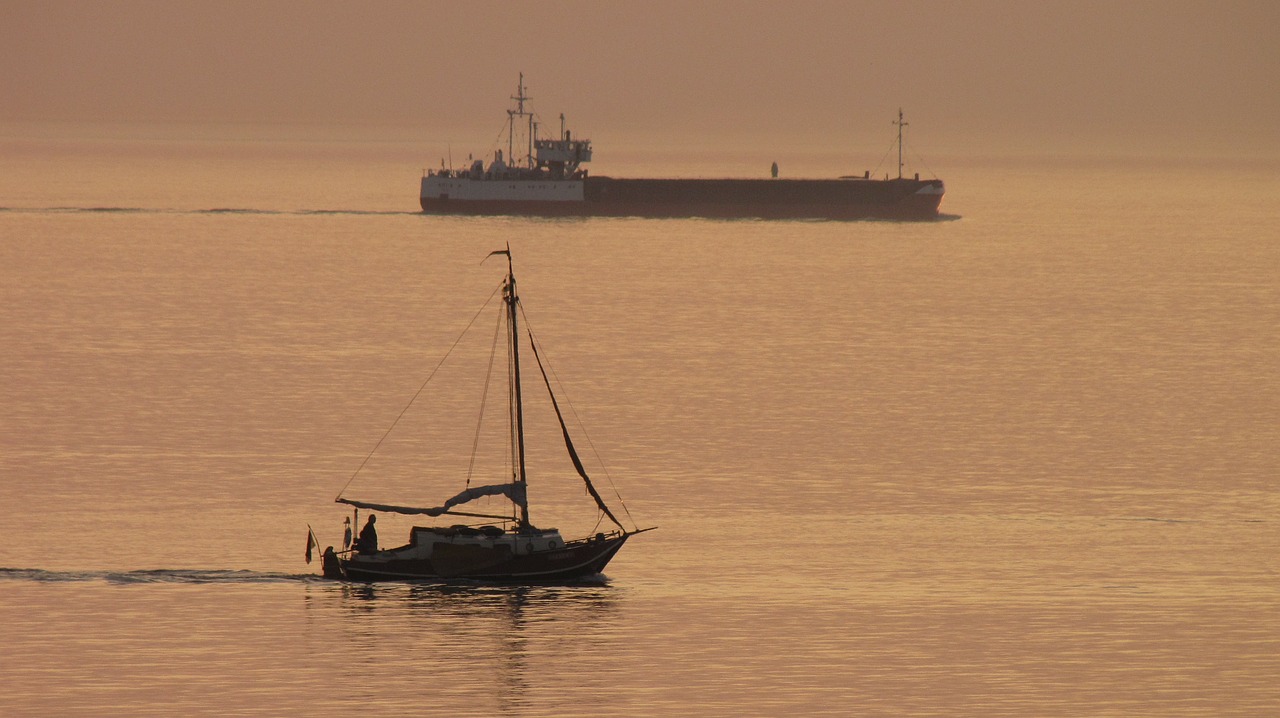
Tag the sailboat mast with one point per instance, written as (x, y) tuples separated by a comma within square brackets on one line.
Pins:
[(517, 403)]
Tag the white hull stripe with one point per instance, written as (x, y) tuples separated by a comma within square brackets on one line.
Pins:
[(524, 190)]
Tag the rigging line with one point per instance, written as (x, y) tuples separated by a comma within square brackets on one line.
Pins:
[(496, 144), (568, 443), (924, 164), (418, 393), (887, 152), (484, 399), (528, 327)]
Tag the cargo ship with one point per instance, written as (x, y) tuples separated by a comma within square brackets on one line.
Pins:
[(549, 181)]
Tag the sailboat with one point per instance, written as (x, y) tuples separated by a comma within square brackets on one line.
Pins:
[(505, 547)]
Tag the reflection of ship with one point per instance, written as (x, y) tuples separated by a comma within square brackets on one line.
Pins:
[(515, 550), (549, 181)]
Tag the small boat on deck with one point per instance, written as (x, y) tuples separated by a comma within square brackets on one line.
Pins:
[(505, 547)]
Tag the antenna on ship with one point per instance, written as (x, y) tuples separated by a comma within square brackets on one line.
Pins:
[(900, 123)]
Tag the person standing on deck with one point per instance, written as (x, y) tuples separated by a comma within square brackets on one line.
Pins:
[(368, 541)]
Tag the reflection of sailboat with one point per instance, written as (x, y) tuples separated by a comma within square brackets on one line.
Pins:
[(515, 550), (500, 630)]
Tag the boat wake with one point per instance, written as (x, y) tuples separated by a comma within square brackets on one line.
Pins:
[(183, 576), (214, 211)]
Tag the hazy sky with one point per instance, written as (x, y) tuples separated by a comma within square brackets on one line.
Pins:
[(1178, 73)]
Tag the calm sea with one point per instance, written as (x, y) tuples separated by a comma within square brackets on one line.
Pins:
[(1020, 462)]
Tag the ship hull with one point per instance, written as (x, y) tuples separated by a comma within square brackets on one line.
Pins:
[(565, 563), (837, 199)]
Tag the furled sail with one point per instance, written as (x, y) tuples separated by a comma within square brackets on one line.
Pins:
[(568, 443), (514, 491)]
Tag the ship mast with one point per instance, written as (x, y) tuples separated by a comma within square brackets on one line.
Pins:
[(900, 125), (520, 98)]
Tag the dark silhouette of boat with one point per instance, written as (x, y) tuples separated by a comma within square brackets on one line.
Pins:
[(503, 547)]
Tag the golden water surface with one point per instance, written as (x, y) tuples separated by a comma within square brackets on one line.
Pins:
[(1018, 462)]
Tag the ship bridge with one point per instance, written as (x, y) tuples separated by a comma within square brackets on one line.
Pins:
[(562, 156)]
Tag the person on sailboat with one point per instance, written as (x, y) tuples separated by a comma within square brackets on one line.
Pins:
[(368, 541)]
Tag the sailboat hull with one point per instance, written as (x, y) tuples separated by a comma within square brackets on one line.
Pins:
[(476, 561)]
